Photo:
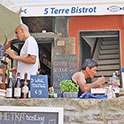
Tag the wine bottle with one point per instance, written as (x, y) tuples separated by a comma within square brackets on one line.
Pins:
[(25, 87), (9, 88), (17, 88), (6, 58)]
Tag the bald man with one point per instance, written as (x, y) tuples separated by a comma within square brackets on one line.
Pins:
[(29, 55)]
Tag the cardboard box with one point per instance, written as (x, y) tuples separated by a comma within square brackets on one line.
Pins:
[(98, 90)]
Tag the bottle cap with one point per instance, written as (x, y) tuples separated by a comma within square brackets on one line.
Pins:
[(117, 73), (26, 73), (37, 73), (18, 73)]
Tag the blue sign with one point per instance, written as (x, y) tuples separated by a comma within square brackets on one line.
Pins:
[(39, 86)]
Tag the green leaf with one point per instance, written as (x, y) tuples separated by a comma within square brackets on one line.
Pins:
[(68, 86)]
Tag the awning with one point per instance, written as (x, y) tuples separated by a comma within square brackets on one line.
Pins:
[(70, 7), (9, 20)]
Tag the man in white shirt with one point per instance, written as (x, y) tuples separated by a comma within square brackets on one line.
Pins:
[(29, 56)]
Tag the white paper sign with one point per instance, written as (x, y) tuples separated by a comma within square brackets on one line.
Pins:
[(73, 10)]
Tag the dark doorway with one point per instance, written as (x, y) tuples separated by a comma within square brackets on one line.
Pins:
[(45, 59), (84, 51)]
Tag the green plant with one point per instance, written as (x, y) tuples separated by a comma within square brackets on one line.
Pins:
[(68, 86)]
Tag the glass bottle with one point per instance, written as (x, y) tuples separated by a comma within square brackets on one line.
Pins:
[(9, 87), (17, 88), (5, 59), (25, 87)]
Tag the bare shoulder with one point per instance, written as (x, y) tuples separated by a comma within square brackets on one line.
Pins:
[(79, 74)]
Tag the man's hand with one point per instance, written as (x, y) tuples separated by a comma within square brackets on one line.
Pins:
[(11, 53), (101, 80)]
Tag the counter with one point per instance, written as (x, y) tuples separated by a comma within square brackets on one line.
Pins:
[(79, 111)]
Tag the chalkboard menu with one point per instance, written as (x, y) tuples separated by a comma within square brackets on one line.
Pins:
[(39, 86), (31, 115), (63, 67)]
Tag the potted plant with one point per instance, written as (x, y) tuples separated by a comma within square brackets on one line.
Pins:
[(69, 89)]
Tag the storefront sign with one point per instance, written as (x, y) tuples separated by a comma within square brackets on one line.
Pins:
[(63, 67), (73, 10), (39, 86), (31, 115)]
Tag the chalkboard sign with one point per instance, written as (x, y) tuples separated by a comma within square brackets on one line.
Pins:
[(31, 115), (39, 86), (63, 67)]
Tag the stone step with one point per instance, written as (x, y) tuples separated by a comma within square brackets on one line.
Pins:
[(108, 62), (109, 47), (108, 59), (109, 51), (108, 67), (111, 56), (110, 42), (110, 39), (105, 73)]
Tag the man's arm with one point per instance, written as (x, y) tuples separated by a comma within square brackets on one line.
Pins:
[(87, 87), (31, 59)]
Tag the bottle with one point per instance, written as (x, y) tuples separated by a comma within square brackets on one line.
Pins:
[(5, 59), (9, 88), (118, 79), (114, 80), (25, 87), (17, 88), (51, 93), (116, 89)]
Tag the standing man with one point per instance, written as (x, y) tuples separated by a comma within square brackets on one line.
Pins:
[(88, 71), (29, 56)]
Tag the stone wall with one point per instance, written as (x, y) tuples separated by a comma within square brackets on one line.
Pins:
[(38, 24), (64, 46), (61, 25), (79, 111)]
